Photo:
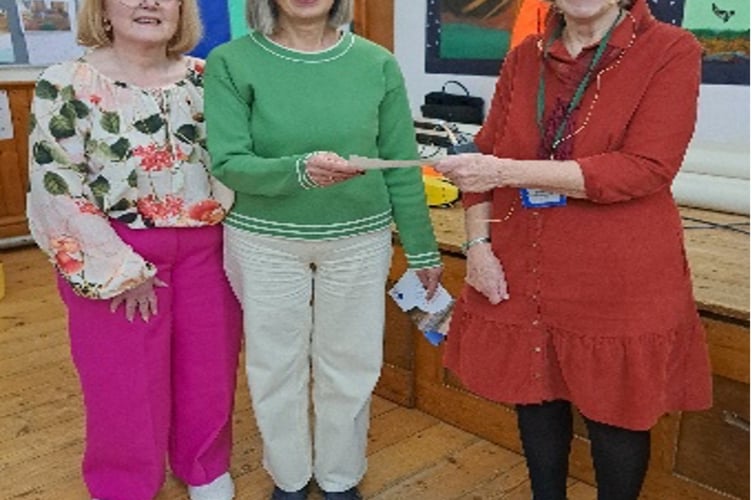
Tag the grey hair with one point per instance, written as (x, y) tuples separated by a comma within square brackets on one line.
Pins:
[(262, 15)]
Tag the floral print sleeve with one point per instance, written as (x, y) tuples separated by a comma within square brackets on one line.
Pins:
[(64, 221), (103, 153)]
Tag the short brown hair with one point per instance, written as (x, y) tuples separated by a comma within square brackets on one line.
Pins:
[(92, 32), (262, 14)]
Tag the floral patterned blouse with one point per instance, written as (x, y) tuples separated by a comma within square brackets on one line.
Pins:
[(102, 150)]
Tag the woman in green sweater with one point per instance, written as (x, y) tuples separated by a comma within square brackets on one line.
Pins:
[(308, 241)]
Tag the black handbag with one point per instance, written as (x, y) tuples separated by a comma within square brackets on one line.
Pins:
[(462, 108)]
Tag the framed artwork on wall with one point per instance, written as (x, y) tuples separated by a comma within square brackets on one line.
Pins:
[(37, 32), (721, 26), (469, 37)]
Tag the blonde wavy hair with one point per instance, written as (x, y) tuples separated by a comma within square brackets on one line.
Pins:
[(93, 32)]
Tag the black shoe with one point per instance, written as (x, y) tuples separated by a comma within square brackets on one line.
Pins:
[(280, 494), (351, 494)]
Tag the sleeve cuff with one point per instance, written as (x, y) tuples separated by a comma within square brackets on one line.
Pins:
[(423, 260), (304, 179)]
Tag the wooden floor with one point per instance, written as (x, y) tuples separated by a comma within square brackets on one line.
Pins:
[(411, 455)]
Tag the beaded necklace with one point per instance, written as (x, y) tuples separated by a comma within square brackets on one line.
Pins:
[(581, 87), (579, 129)]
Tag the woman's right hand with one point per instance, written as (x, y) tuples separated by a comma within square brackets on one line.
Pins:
[(474, 172), (143, 297), (486, 274), (326, 169)]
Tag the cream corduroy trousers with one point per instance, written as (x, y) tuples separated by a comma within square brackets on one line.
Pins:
[(314, 321)]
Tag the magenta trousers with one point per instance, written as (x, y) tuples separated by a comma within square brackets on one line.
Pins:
[(163, 388)]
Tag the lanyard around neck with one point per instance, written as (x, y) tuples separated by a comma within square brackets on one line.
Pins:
[(577, 97)]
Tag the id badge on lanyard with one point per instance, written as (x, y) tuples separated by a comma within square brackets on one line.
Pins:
[(538, 198)]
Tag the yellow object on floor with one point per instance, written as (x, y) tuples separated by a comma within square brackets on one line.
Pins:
[(2, 281)]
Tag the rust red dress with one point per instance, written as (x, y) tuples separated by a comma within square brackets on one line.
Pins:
[(601, 311)]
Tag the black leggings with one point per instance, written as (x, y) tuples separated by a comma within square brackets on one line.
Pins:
[(620, 456)]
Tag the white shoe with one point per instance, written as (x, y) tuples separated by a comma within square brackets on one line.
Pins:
[(221, 488)]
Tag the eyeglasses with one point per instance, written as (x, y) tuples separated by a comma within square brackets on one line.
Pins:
[(135, 4)]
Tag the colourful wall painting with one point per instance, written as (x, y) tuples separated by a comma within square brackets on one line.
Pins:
[(473, 36), (468, 37), (721, 26), (223, 20)]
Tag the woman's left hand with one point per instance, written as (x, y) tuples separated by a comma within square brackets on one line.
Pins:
[(474, 172), (430, 278), (142, 298)]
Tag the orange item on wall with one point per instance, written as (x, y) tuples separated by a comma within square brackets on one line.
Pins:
[(530, 20)]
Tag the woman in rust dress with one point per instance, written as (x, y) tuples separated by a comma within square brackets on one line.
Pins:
[(578, 291)]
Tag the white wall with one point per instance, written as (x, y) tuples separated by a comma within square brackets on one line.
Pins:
[(723, 112)]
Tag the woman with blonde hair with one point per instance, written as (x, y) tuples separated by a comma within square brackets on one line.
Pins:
[(122, 201)]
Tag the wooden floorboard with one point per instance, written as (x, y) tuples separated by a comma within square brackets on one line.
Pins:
[(411, 455)]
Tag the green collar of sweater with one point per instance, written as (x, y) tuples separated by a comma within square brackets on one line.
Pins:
[(343, 45)]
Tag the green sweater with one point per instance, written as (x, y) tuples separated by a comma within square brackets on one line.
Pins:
[(268, 108)]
